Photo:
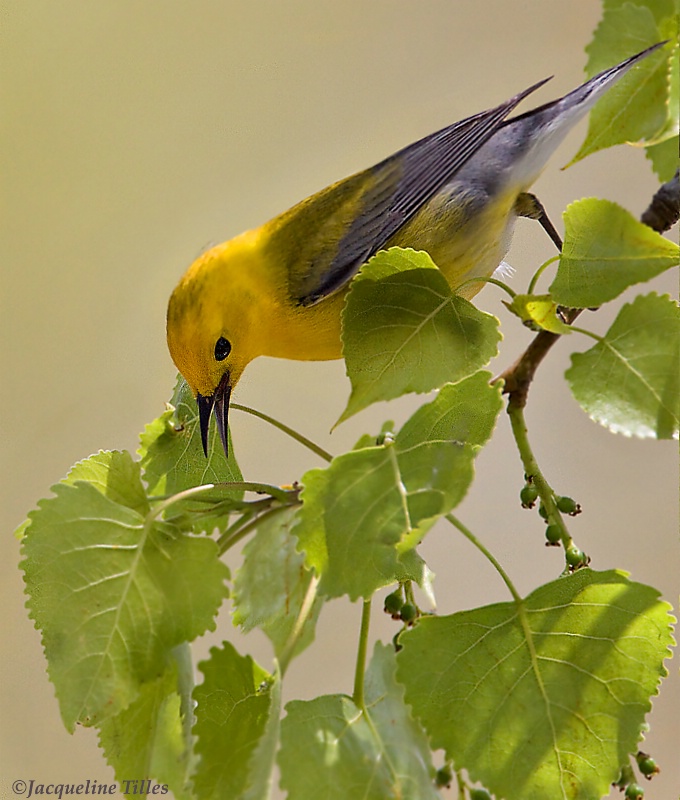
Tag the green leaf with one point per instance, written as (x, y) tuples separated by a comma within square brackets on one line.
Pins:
[(330, 749), (630, 381), (172, 461), (660, 8), (537, 311), (362, 515), (553, 690), (147, 738), (465, 412), (272, 585), (353, 518), (405, 331), (664, 154), (664, 158), (636, 107), (115, 475), (111, 590), (605, 251), (233, 706), (669, 30), (262, 764)]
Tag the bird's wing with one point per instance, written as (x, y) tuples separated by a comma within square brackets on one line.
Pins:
[(352, 220)]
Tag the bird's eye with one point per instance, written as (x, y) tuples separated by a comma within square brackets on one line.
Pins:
[(222, 349)]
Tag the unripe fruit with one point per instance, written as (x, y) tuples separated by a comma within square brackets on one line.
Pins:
[(574, 556), (647, 765), (553, 534), (443, 777), (528, 495), (393, 603), (408, 612)]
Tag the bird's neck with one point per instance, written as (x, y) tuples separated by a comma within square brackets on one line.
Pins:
[(277, 326)]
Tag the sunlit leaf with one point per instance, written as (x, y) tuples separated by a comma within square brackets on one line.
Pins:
[(664, 158), (630, 381), (636, 107), (605, 251), (538, 311), (543, 698), (405, 331)]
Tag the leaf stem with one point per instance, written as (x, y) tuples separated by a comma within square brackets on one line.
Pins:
[(303, 440), (359, 672), (586, 332), (283, 495), (296, 632), (539, 272), (495, 282), (488, 555), (242, 486), (240, 529), (175, 498)]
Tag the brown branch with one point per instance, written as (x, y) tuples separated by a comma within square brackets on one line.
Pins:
[(663, 212)]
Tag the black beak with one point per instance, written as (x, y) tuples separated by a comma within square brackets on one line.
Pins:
[(219, 401)]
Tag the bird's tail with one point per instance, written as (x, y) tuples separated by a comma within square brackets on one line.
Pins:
[(538, 132), (585, 96)]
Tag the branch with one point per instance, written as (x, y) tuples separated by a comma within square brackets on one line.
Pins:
[(664, 210), (662, 213)]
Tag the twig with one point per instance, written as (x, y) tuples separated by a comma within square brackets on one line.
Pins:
[(664, 210)]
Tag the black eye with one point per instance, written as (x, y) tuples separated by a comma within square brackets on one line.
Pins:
[(222, 349)]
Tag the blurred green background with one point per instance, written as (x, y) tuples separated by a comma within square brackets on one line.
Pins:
[(134, 134)]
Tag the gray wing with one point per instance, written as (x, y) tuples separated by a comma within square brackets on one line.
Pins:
[(400, 186)]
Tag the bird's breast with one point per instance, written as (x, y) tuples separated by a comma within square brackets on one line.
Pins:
[(466, 231)]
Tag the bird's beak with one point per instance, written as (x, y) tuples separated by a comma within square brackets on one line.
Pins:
[(219, 401)]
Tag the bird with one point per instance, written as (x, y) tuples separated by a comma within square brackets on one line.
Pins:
[(278, 290)]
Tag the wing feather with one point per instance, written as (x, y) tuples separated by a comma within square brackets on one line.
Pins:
[(398, 188)]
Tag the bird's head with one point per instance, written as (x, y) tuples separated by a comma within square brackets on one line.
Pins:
[(208, 324)]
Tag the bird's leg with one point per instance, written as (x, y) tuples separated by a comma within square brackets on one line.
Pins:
[(528, 205)]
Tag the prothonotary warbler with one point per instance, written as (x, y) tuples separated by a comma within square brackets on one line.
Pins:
[(278, 290)]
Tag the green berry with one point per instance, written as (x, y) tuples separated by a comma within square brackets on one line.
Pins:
[(443, 777), (543, 511), (568, 505), (575, 557), (479, 794), (634, 792), (553, 534), (528, 495), (408, 612), (393, 603), (647, 765)]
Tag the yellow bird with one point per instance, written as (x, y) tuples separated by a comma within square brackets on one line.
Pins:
[(278, 290)]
